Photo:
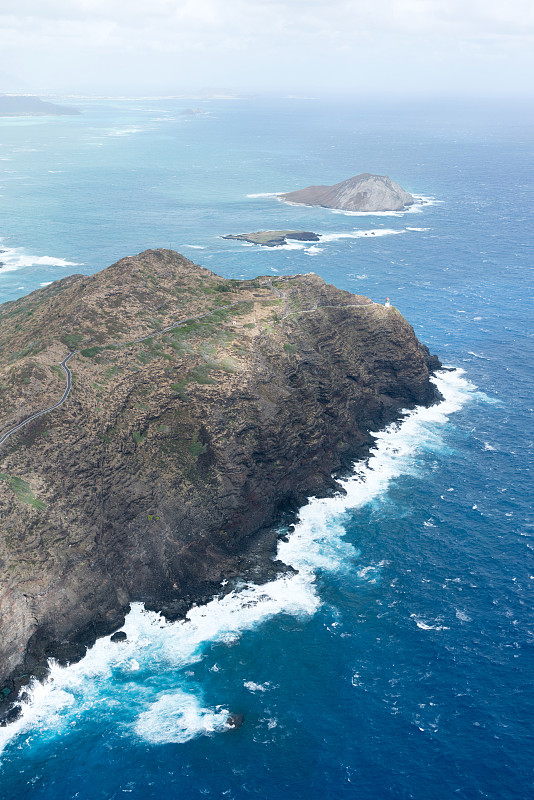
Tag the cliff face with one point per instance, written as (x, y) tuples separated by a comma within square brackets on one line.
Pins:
[(363, 192), (163, 470)]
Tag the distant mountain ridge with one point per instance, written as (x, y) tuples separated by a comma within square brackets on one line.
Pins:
[(364, 192)]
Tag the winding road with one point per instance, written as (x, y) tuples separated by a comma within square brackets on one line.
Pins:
[(24, 422)]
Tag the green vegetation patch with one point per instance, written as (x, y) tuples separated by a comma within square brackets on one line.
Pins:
[(91, 352), (58, 372), (23, 491), (200, 374), (72, 340), (138, 436)]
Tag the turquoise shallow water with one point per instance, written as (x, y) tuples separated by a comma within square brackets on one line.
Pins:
[(398, 663)]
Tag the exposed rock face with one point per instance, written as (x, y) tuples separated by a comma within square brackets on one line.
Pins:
[(171, 459), (274, 238), (364, 192)]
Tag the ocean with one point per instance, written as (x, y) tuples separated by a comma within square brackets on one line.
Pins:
[(398, 662)]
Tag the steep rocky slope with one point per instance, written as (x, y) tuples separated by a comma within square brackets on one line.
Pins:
[(363, 192), (163, 472)]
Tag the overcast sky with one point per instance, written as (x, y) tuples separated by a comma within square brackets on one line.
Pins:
[(454, 47)]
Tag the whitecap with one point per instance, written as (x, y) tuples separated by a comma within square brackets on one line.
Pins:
[(425, 626), (462, 616), (313, 251), (195, 246)]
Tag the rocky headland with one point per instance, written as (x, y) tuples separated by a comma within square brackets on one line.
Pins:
[(274, 238), (29, 106), (173, 456), (363, 192)]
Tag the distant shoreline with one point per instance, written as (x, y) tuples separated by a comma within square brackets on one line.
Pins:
[(30, 106)]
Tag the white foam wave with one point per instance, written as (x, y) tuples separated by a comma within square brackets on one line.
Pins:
[(425, 626), (421, 201), (257, 687), (265, 194), (13, 258), (124, 131), (177, 718), (333, 237), (195, 246), (174, 714), (313, 250), (317, 541)]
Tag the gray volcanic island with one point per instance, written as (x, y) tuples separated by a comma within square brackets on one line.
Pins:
[(274, 238), (202, 412), (28, 106), (364, 192)]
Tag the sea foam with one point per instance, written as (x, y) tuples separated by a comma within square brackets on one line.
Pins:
[(13, 258), (172, 710)]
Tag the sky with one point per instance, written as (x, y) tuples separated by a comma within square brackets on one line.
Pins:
[(310, 47)]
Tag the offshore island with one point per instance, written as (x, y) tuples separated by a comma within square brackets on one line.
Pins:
[(274, 238), (200, 412), (365, 192)]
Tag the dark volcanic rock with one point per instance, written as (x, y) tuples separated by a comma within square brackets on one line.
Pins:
[(235, 720), (119, 636), (172, 459), (364, 192), (10, 715)]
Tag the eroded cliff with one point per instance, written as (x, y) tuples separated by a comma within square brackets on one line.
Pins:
[(165, 469)]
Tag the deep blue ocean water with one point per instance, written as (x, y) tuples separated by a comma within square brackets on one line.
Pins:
[(399, 662)]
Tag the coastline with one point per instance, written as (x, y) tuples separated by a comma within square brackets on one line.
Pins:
[(261, 553)]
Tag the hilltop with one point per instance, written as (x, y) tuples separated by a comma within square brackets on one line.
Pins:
[(172, 458)]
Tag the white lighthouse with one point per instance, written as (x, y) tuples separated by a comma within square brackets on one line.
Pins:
[(387, 304)]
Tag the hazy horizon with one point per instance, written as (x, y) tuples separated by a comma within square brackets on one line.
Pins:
[(418, 48)]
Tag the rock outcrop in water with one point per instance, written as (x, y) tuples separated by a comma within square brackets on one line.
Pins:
[(364, 192), (165, 469), (274, 238)]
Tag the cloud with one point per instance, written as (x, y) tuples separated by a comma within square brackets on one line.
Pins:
[(85, 40)]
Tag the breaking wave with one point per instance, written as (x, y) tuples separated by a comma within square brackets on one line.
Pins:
[(13, 258)]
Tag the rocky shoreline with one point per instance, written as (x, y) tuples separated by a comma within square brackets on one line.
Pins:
[(174, 460)]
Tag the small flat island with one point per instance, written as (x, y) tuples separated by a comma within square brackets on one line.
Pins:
[(363, 192), (274, 238), (29, 106)]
